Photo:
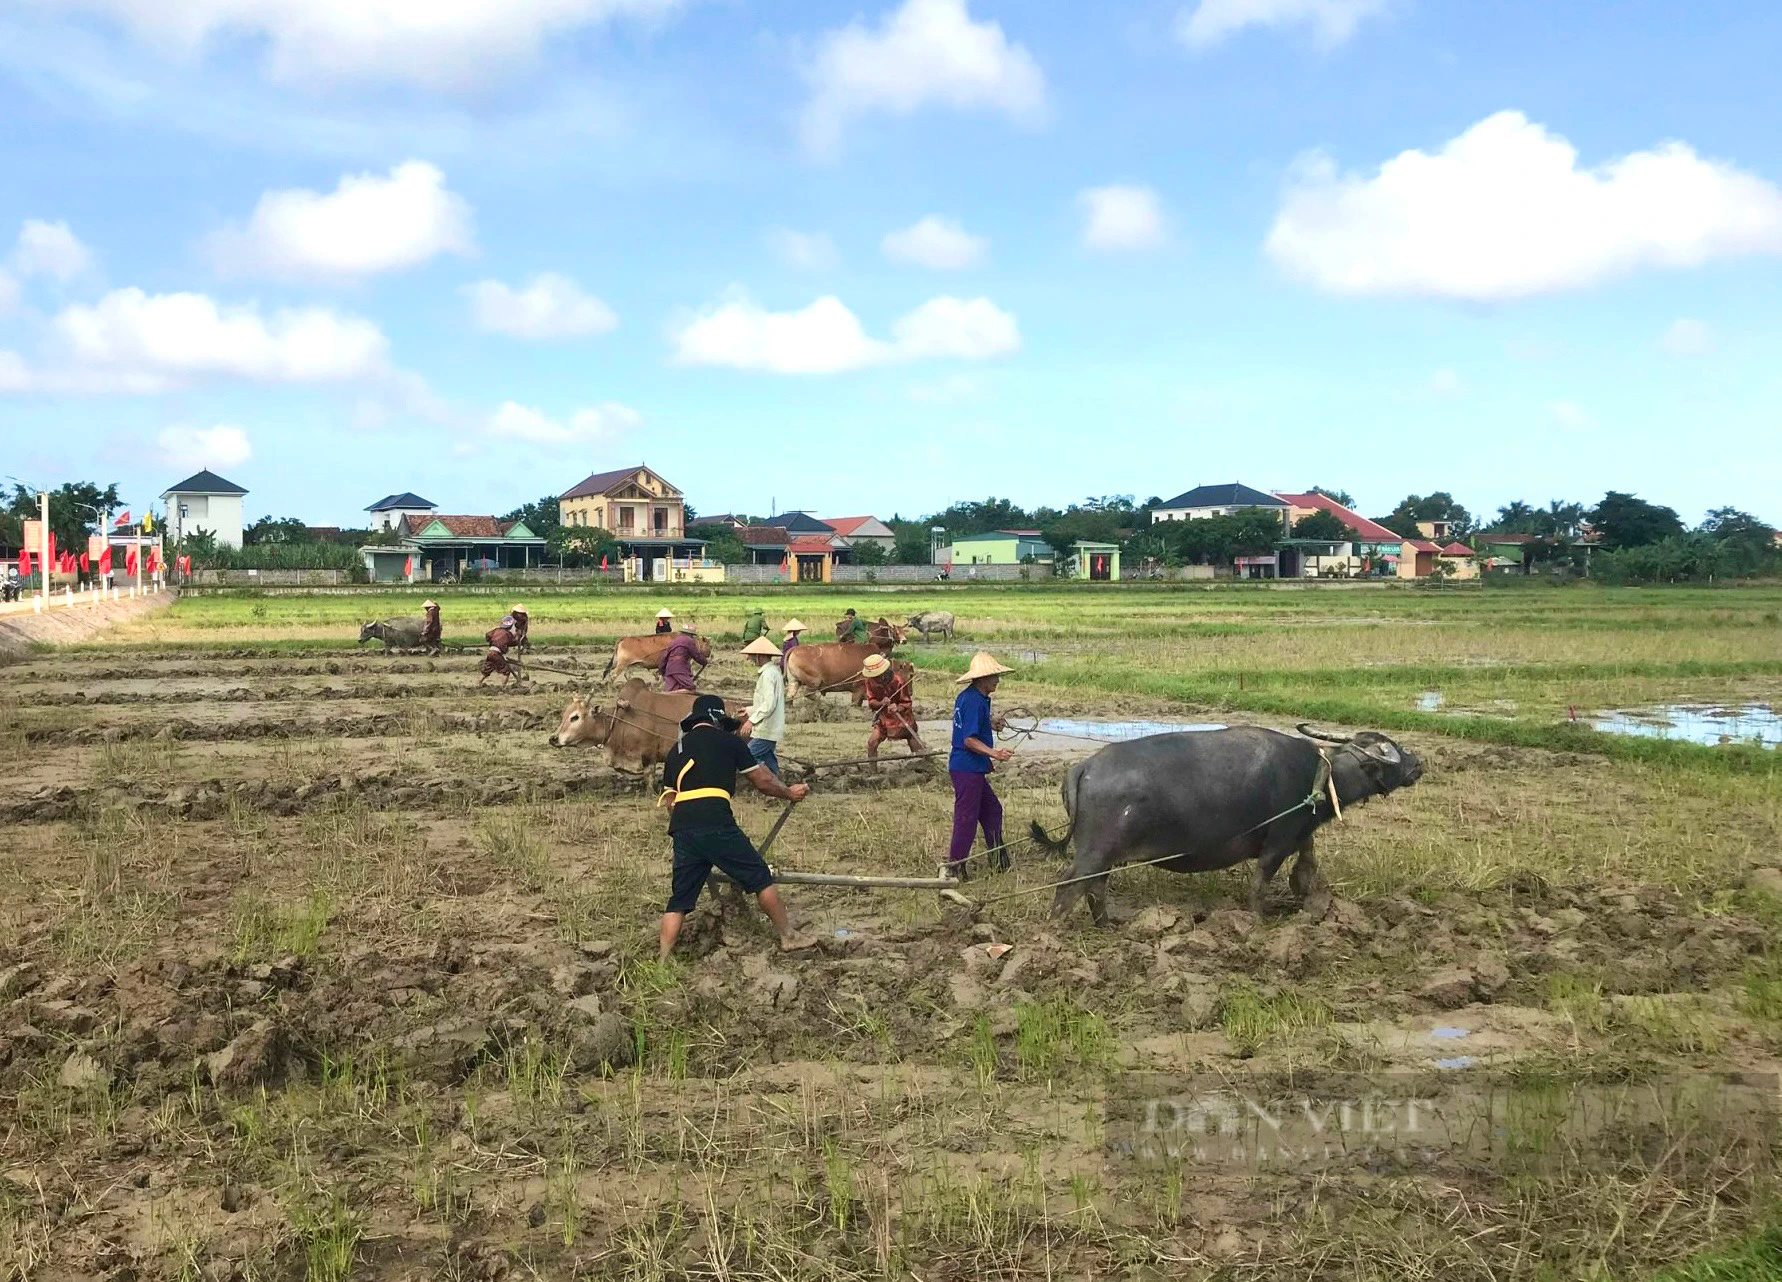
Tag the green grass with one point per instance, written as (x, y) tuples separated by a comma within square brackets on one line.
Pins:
[(1758, 1260)]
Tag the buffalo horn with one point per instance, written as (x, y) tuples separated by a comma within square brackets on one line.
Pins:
[(1305, 728)]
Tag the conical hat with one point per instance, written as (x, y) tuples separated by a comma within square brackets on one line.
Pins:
[(665, 614), (983, 664), (875, 665), (761, 645), (518, 609), (793, 625), (430, 605)]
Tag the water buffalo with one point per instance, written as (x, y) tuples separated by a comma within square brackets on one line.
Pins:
[(940, 621), (835, 665), (647, 651), (637, 729), (1214, 799), (396, 634)]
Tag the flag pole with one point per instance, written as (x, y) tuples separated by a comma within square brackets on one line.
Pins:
[(43, 541)]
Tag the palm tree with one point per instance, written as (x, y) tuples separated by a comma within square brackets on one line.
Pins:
[(1515, 518)]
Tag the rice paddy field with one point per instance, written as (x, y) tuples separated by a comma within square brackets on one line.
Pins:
[(320, 962)]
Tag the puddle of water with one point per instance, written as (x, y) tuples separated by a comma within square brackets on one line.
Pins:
[(1117, 730), (1703, 723), (1450, 1034), (1459, 1061), (1430, 701)]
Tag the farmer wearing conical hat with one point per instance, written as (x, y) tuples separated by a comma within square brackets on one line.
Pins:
[(765, 723), (516, 617), (974, 756), (430, 627), (792, 629), (679, 658), (698, 782), (890, 695), (664, 621)]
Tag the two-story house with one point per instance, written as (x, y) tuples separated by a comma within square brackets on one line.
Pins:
[(646, 514)]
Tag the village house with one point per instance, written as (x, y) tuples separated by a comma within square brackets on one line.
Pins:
[(389, 510), (641, 510), (998, 547), (856, 530), (1373, 551), (434, 549), (205, 503), (767, 544), (1217, 500)]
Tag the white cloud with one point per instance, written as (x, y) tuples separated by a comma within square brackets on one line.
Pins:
[(1568, 414), (49, 249), (940, 243), (551, 306), (827, 338), (1121, 217), (1332, 21), (1687, 337), (192, 448), (803, 251), (1504, 211), (448, 44), (974, 329), (131, 340), (9, 292), (15, 375), (598, 424), (1446, 384), (926, 53), (367, 224)]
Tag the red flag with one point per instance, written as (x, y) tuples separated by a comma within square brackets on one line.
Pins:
[(52, 545), (121, 522), (185, 565), (786, 564), (154, 560), (86, 564), (130, 563), (408, 568), (24, 564), (105, 560), (603, 561)]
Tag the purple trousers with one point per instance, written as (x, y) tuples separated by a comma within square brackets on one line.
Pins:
[(973, 804)]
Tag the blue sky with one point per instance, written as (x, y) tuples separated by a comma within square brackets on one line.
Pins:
[(880, 257)]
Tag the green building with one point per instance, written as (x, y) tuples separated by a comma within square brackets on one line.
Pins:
[(1099, 562), (999, 547)]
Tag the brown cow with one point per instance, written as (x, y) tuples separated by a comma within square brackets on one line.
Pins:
[(637, 729), (835, 665), (647, 651)]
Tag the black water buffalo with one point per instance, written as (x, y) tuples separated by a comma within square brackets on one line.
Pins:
[(1214, 799)]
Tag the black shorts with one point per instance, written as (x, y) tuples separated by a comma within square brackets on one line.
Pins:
[(698, 851)]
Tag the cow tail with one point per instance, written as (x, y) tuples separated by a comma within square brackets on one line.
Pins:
[(608, 671), (1060, 846)]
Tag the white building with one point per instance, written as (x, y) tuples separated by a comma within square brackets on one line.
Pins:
[(205, 502), (388, 511), (1218, 500)]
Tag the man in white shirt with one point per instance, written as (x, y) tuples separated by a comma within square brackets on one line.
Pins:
[(765, 721)]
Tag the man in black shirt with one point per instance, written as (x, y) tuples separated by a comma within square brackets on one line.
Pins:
[(698, 781)]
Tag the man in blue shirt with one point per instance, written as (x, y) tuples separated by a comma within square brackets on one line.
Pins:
[(973, 758)]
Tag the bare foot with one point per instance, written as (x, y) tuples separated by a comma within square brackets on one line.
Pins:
[(797, 941)]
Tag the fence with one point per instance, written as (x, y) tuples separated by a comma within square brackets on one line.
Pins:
[(271, 578)]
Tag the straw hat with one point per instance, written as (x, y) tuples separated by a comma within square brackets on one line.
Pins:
[(793, 625), (761, 645), (689, 626), (665, 614), (519, 609), (430, 605), (982, 665), (876, 665)]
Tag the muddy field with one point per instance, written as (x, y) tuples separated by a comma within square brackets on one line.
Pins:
[(317, 962)]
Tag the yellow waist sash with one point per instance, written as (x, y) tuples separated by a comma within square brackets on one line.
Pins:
[(693, 794)]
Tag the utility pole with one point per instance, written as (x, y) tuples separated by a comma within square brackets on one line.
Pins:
[(43, 540)]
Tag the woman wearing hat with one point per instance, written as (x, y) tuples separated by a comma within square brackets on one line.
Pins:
[(792, 629), (766, 720), (973, 758), (678, 660), (893, 703), (430, 628), (664, 622), (698, 782), (520, 625)]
